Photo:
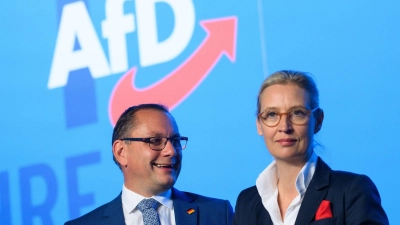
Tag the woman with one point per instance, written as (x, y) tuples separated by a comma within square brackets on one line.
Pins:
[(298, 187)]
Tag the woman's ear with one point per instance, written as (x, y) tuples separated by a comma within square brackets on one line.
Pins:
[(258, 124), (319, 120)]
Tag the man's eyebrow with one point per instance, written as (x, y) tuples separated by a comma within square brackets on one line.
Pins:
[(158, 134), (176, 135)]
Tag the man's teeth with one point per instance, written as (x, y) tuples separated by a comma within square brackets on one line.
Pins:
[(164, 165)]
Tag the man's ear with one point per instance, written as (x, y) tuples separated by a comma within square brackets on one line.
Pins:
[(319, 120), (119, 151)]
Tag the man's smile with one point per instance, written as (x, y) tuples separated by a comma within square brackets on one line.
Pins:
[(170, 166)]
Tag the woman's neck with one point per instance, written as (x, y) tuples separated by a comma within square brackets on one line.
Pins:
[(287, 174)]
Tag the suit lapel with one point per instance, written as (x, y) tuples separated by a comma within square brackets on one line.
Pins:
[(315, 193), (183, 203), (262, 215), (114, 213)]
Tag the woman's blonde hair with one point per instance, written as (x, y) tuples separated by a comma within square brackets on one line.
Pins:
[(301, 79)]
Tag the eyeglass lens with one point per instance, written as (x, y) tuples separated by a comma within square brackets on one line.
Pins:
[(159, 143), (297, 116)]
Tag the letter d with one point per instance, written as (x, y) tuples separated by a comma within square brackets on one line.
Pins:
[(150, 50)]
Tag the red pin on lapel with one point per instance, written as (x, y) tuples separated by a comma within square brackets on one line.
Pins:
[(190, 211)]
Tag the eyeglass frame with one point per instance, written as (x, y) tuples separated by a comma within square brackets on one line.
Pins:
[(287, 113), (147, 140)]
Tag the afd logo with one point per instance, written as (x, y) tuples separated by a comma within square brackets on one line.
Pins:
[(79, 56)]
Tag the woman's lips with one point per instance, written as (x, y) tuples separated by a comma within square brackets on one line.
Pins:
[(286, 141)]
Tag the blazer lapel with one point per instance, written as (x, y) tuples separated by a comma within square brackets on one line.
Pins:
[(183, 207), (315, 193), (114, 213)]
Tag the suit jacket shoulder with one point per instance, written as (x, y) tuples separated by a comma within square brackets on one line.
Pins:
[(189, 208), (354, 199), (192, 208), (249, 209), (109, 213)]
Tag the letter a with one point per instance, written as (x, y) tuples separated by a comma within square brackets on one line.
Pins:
[(75, 24)]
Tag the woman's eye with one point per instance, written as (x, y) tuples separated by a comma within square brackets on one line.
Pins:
[(271, 114), (299, 112)]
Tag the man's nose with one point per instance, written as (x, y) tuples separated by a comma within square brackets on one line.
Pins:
[(169, 149)]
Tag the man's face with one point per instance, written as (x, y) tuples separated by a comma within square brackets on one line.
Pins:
[(146, 171)]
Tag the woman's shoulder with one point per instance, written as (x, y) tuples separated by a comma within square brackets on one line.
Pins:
[(351, 181), (339, 175), (249, 195), (249, 192), (343, 180)]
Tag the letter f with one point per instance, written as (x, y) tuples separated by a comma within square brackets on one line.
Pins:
[(114, 28)]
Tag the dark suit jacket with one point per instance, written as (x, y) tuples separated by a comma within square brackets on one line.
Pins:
[(208, 211), (354, 200)]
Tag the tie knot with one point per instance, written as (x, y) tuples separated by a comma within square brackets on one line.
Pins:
[(147, 203)]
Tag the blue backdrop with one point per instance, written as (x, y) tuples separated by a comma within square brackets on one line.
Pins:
[(69, 67)]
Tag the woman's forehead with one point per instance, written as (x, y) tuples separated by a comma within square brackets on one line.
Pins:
[(284, 95)]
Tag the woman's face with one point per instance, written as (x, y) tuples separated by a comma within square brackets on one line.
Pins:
[(287, 141)]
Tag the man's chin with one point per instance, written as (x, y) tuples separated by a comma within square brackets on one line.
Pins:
[(167, 183)]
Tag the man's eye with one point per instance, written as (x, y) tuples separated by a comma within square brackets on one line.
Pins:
[(156, 140), (176, 143)]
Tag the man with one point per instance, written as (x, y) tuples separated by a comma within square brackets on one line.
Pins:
[(147, 147)]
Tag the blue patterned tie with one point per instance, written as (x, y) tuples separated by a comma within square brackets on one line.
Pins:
[(148, 207)]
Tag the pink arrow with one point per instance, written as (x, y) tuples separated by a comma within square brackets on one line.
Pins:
[(180, 83)]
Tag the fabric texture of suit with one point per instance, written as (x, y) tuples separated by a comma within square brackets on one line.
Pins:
[(207, 211), (354, 200)]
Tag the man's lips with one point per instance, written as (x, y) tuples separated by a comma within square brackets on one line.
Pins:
[(163, 165)]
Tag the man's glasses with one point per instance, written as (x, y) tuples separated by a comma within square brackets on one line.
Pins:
[(297, 116), (159, 143)]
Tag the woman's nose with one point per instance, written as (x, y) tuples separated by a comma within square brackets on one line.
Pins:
[(285, 125)]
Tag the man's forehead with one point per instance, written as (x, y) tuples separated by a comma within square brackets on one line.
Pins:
[(152, 115), (155, 122)]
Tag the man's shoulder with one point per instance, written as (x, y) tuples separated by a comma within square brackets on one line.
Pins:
[(97, 214), (206, 209), (196, 198), (89, 217), (184, 198), (201, 198)]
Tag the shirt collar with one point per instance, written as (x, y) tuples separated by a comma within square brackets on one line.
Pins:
[(131, 199), (268, 179), (305, 175)]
